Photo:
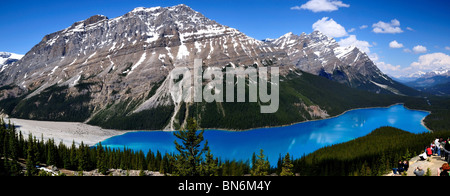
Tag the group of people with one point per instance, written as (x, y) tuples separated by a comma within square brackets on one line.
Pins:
[(439, 147), (403, 166), (443, 171)]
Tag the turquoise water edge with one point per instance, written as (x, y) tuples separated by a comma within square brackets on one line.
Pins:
[(297, 139)]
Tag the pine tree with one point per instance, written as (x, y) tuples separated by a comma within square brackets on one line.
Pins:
[(189, 159), (287, 166), (14, 167), (82, 158), (210, 166), (262, 166), (253, 159), (161, 167), (73, 157), (101, 159), (31, 158), (51, 153)]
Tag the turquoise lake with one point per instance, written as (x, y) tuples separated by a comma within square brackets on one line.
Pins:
[(298, 139)]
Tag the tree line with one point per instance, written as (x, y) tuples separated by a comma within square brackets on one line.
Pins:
[(372, 155), (21, 157)]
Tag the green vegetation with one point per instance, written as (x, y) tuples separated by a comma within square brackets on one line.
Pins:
[(287, 166), (297, 93), (120, 116), (372, 155), (300, 94), (54, 103), (261, 165), (190, 154), (16, 151), (439, 119)]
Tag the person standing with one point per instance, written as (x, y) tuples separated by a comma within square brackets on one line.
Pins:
[(447, 150), (437, 147)]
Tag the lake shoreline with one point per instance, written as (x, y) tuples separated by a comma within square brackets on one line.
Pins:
[(331, 117), (67, 132)]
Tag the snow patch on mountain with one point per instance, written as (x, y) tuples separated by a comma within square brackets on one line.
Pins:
[(7, 58)]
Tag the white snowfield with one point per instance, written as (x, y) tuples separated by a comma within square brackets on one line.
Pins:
[(5, 56)]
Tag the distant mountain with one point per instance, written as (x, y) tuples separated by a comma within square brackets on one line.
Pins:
[(435, 82), (100, 70), (321, 55), (7, 58)]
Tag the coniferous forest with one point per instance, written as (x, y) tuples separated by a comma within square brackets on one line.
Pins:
[(372, 155)]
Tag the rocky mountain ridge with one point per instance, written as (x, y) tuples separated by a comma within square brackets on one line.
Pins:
[(116, 65)]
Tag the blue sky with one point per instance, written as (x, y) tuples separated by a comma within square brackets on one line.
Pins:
[(411, 23)]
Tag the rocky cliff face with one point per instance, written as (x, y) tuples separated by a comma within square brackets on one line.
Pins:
[(322, 55), (126, 60)]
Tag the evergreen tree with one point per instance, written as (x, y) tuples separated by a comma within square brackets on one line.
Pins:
[(51, 152), (287, 166), (101, 159), (262, 166), (253, 159), (189, 159), (161, 167), (210, 166), (73, 160), (82, 158), (31, 161)]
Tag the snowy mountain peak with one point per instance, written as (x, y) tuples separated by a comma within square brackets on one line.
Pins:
[(7, 58), (342, 52), (144, 9), (422, 74)]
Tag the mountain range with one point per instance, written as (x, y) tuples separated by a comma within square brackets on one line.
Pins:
[(114, 73), (436, 82)]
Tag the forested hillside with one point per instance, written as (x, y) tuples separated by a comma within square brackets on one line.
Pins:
[(372, 155)]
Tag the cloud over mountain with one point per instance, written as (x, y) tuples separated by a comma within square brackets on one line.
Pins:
[(330, 27)]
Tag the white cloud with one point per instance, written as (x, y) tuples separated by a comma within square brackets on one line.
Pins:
[(321, 5), (353, 41), (447, 48), (392, 27), (393, 70), (425, 63), (431, 62), (364, 27), (407, 50), (329, 27), (395, 44), (410, 29), (420, 49), (351, 30)]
